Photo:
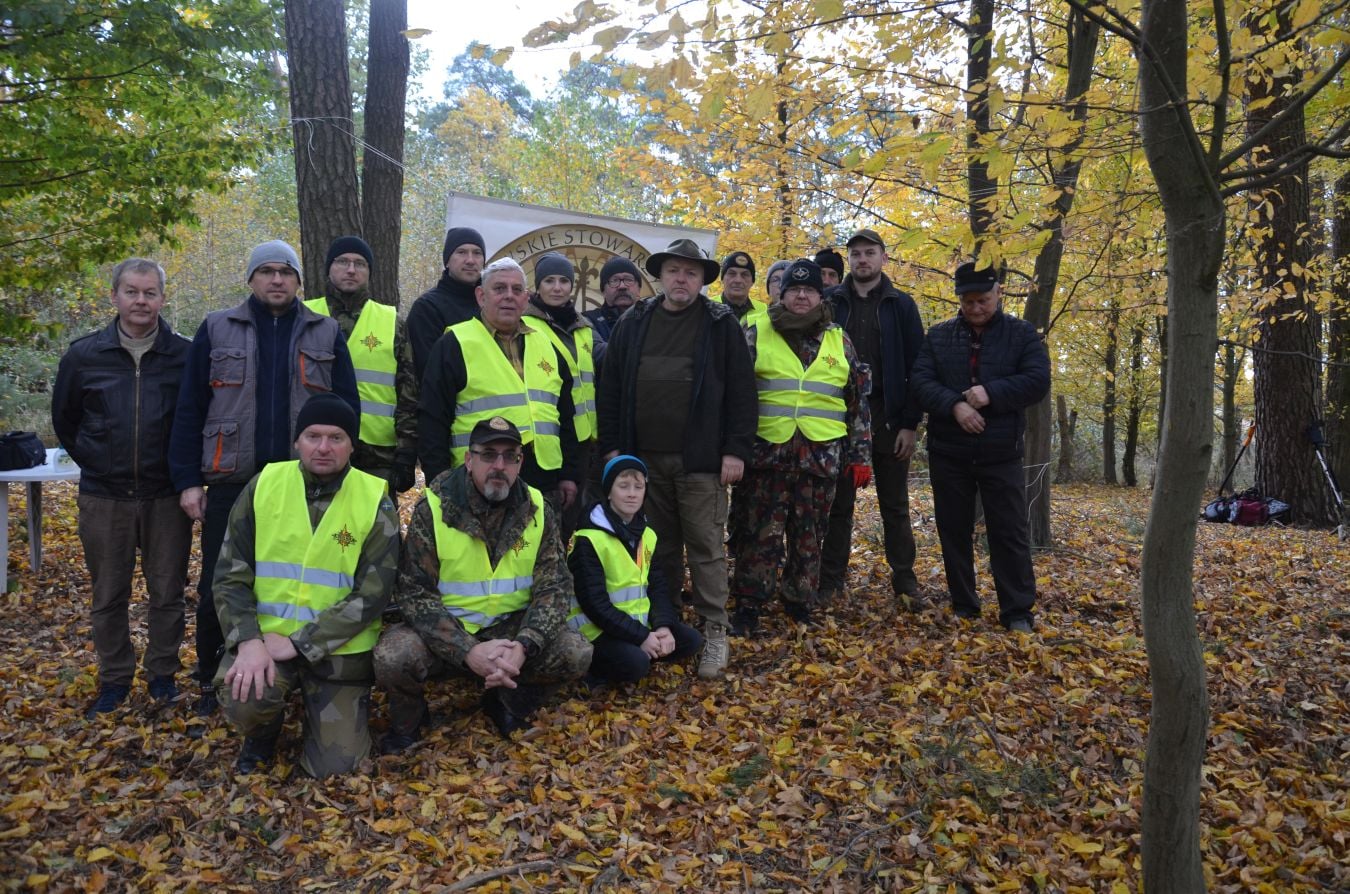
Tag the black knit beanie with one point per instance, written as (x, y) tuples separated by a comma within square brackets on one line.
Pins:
[(615, 265), (348, 245), (553, 264), (457, 236), (328, 409), (620, 463)]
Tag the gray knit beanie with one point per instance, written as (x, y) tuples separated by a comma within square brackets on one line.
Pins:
[(553, 264), (274, 252)]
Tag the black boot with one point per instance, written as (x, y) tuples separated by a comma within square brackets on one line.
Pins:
[(256, 754)]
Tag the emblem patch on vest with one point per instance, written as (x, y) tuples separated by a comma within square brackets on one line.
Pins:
[(546, 367), (371, 342), (520, 545), (830, 361), (344, 538)]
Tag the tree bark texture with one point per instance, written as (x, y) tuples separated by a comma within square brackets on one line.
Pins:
[(1109, 395), (321, 116), (979, 52), (1338, 340), (382, 161), (1136, 408), (1068, 421), (1231, 364), (1288, 380), (1194, 213)]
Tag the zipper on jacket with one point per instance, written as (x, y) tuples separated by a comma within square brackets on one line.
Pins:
[(136, 435)]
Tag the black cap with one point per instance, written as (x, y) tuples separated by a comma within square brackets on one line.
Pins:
[(803, 273), (620, 463), (866, 235), (968, 279), (741, 261), (457, 236), (498, 428), (328, 409), (829, 259), (349, 245), (617, 264)]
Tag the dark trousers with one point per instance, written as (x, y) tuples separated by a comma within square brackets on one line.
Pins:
[(111, 531), (1002, 489), (622, 662), (891, 478), (780, 543), (210, 640)]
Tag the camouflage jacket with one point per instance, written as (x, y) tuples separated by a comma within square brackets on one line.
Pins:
[(825, 459), (345, 307), (237, 606), (500, 527)]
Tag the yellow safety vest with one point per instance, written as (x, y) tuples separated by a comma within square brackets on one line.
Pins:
[(625, 578), (581, 364), (371, 345), (792, 399), (293, 593), (494, 389), (471, 589)]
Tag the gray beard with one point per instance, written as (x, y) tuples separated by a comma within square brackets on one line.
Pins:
[(496, 491)]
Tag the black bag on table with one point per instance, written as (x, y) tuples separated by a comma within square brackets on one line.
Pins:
[(21, 450)]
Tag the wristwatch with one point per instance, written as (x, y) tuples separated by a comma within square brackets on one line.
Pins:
[(530, 646)]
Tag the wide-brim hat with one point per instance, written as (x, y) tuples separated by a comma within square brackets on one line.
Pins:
[(687, 250)]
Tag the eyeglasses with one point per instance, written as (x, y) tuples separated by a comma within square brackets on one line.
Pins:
[(268, 272), (491, 457), (351, 263), (622, 279)]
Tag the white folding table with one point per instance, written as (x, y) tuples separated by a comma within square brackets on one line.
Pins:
[(48, 471)]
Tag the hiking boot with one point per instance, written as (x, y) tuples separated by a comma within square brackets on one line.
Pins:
[(502, 715), (110, 695), (914, 601), (1021, 625), (800, 612), (828, 594), (745, 623), (397, 743), (206, 705), (712, 662), (163, 690), (255, 754)]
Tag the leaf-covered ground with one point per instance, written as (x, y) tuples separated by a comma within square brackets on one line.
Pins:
[(880, 751)]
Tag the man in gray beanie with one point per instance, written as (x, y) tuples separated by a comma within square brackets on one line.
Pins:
[(249, 371)]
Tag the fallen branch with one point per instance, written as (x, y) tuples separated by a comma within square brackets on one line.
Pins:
[(859, 837), (473, 881)]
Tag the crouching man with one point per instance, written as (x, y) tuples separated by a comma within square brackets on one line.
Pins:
[(309, 560), (484, 588)]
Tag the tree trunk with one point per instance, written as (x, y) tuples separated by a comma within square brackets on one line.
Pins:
[(1160, 324), (1194, 214), (1135, 406), (1288, 380), (979, 52), (1109, 395), (1338, 336), (1231, 364), (1081, 37), (382, 161), (321, 116), (1067, 423)]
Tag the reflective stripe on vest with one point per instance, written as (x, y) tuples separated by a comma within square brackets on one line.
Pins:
[(581, 364), (792, 399), (291, 594), (494, 389), (625, 577), (471, 589), (371, 345)]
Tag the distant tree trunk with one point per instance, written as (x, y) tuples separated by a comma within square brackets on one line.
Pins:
[(1136, 406), (1194, 213), (321, 116), (1231, 365), (1068, 422), (1109, 395), (1288, 376), (1082, 36), (382, 161), (1160, 323), (979, 51), (1338, 341)]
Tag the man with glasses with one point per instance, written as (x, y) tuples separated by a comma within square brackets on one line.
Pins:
[(385, 379), (249, 371), (620, 284), (484, 592), (517, 373)]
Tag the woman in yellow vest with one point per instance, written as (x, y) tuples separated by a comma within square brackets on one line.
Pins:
[(622, 603), (306, 571), (574, 337), (813, 424)]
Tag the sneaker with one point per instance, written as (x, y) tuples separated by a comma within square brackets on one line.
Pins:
[(745, 623), (1021, 625), (713, 660), (255, 754), (800, 612), (110, 695), (163, 689)]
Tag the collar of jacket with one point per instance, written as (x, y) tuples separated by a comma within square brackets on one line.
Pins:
[(457, 509), (316, 487), (714, 309), (106, 339), (533, 310)]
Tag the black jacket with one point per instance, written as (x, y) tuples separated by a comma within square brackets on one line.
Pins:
[(901, 338), (444, 304), (1013, 368), (588, 579), (115, 423), (724, 407)]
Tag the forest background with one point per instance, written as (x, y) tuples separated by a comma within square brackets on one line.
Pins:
[(1165, 184)]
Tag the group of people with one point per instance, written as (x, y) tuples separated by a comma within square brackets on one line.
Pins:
[(575, 465)]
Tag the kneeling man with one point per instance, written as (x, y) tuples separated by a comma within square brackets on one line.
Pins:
[(484, 588), (306, 570)]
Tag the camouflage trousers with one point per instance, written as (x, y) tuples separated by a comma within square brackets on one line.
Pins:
[(336, 697), (786, 514), (404, 664)]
